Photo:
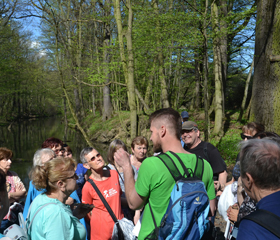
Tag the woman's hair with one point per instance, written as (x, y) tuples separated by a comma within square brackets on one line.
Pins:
[(3, 186), (37, 159), (271, 135), (5, 153), (67, 148), (253, 127), (46, 177), (140, 140), (52, 142), (113, 147)]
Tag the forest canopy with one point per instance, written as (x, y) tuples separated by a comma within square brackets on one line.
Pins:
[(112, 55)]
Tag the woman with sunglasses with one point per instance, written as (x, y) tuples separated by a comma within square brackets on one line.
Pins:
[(107, 181), (55, 220), (15, 188), (245, 204), (250, 130)]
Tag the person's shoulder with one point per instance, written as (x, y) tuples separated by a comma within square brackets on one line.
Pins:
[(12, 174), (247, 229), (208, 145), (42, 200), (150, 160)]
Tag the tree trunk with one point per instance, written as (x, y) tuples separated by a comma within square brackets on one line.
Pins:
[(218, 127), (205, 70), (128, 64), (245, 93), (107, 104), (164, 94), (266, 85)]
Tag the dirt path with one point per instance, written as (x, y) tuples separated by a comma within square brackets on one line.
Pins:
[(220, 225)]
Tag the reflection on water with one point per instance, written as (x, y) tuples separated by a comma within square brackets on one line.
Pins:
[(25, 137)]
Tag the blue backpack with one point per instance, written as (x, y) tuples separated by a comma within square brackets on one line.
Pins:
[(186, 216)]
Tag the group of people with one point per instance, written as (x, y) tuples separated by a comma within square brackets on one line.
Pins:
[(56, 191), (62, 195)]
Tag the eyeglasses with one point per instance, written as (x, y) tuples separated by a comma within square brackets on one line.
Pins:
[(75, 176), (243, 136), (93, 157), (187, 131), (59, 150), (6, 160)]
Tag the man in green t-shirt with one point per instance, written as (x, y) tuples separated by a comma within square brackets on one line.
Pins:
[(155, 183)]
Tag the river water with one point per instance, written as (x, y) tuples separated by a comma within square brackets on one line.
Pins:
[(25, 137)]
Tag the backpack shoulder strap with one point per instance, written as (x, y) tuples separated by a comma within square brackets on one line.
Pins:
[(171, 166), (199, 168), (103, 200), (205, 150), (266, 219)]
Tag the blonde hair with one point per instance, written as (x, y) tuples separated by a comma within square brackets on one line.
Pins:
[(46, 177)]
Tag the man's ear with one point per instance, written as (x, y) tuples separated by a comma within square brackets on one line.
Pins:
[(85, 165), (250, 180), (162, 131)]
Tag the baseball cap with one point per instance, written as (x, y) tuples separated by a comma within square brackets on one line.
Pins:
[(189, 125), (184, 114)]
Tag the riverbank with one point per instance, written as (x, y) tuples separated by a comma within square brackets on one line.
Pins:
[(119, 127)]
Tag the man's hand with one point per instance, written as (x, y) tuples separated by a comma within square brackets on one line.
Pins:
[(122, 158)]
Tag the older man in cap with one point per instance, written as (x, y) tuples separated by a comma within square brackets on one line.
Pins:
[(193, 144), (260, 168)]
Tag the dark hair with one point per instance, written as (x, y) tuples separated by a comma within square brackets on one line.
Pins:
[(5, 153), (113, 147), (67, 148), (253, 127), (52, 142), (84, 152), (170, 117), (140, 140), (3, 186), (266, 135), (261, 159)]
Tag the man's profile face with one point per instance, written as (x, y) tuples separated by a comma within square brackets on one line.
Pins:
[(190, 137), (155, 138)]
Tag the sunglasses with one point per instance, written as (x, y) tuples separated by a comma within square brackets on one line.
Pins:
[(94, 157), (186, 131), (75, 176), (243, 136)]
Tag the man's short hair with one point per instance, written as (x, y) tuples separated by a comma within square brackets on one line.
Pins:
[(261, 159), (171, 118), (85, 152)]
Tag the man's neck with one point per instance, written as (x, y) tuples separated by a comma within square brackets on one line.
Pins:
[(174, 145), (198, 141)]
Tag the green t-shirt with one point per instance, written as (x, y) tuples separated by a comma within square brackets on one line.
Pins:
[(155, 182)]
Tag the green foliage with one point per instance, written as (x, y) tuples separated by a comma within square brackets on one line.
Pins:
[(228, 145)]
